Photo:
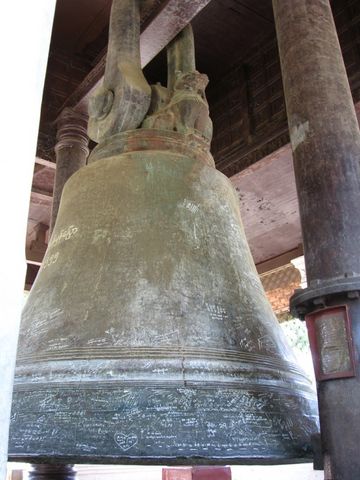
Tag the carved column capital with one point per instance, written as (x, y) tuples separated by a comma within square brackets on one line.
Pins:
[(71, 151), (72, 130)]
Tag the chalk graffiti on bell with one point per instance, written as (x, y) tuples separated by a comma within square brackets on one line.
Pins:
[(189, 206), (65, 234), (50, 260), (125, 441)]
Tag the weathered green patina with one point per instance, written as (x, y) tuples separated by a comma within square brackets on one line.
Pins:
[(148, 337)]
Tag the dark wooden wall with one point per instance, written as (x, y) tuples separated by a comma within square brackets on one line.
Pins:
[(247, 106), (245, 92)]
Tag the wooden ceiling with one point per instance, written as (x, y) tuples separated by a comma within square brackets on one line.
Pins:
[(79, 41), (225, 31)]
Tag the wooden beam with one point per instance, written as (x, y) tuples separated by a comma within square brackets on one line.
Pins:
[(169, 19), (279, 261), (34, 258), (41, 195), (45, 163)]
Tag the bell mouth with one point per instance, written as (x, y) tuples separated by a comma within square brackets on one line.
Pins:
[(231, 408), (169, 424), (191, 145)]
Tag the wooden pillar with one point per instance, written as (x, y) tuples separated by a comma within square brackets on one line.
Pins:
[(51, 472), (71, 152), (325, 141)]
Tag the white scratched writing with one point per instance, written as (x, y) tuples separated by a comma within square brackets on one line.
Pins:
[(65, 234)]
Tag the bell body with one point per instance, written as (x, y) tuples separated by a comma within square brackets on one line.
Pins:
[(147, 337)]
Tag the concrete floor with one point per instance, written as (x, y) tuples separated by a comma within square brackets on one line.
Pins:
[(105, 472), (282, 472)]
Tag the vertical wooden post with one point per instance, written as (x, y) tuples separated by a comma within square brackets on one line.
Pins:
[(325, 141), (71, 152)]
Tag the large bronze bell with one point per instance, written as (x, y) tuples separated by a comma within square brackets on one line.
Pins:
[(147, 337)]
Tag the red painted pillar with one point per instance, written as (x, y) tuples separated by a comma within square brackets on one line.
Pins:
[(177, 473), (211, 473), (196, 473)]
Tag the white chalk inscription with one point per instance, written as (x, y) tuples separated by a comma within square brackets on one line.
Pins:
[(125, 441)]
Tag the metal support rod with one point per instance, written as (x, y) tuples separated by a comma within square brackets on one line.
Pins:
[(325, 141)]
